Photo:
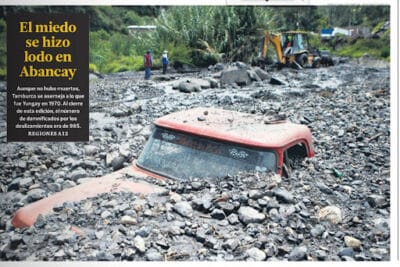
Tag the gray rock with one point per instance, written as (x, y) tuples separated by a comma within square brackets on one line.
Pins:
[(105, 214), (218, 214), (253, 76), (139, 244), (227, 207), (189, 87), (77, 174), (126, 219), (118, 162), (262, 74), (219, 66), (204, 83), (15, 241), (321, 255), (304, 214), (153, 255), (324, 188), (201, 235), (89, 164), (346, 252), (144, 231), (59, 254), (213, 82), (379, 251), (110, 157), (22, 164), (286, 210), (298, 254), (274, 215), (196, 185), (162, 243), (256, 194), (249, 215), (36, 194), (14, 185), (231, 244), (277, 81), (123, 207), (124, 150), (256, 254), (104, 256), (99, 234), (233, 219), (330, 213), (283, 196), (45, 150), (361, 257), (346, 258), (381, 223), (235, 76), (175, 198), (201, 118), (241, 65), (377, 201), (203, 204), (64, 238), (91, 150), (54, 187), (318, 230), (352, 242), (210, 242), (184, 209), (68, 184), (25, 182), (120, 112)]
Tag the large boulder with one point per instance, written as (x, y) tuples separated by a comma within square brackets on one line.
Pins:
[(235, 75), (204, 84), (253, 76), (189, 87), (262, 73)]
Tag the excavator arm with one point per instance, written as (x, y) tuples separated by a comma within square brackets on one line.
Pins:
[(275, 39)]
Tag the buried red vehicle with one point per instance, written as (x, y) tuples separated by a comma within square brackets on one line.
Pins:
[(200, 142)]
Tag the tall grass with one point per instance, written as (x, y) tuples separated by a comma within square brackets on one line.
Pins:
[(378, 48)]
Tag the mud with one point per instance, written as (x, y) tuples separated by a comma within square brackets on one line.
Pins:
[(347, 108)]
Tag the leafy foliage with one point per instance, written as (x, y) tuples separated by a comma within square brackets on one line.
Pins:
[(203, 35), (378, 48)]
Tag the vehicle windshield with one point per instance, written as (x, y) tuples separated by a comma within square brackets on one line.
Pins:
[(183, 156)]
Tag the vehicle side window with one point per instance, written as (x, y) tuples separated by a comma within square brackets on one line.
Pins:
[(292, 156), (297, 151)]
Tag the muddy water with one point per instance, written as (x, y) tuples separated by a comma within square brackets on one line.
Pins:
[(347, 108)]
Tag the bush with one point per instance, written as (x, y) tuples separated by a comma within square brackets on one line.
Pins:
[(92, 68), (203, 59), (3, 74), (378, 48), (3, 49), (385, 52)]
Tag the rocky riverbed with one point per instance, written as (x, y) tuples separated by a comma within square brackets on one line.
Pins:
[(335, 206)]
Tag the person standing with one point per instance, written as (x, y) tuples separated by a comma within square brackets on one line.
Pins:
[(164, 61), (148, 63)]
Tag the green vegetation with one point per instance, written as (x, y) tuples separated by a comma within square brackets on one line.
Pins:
[(3, 50), (204, 35), (378, 48)]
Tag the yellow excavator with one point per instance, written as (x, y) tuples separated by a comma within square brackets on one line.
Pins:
[(293, 50)]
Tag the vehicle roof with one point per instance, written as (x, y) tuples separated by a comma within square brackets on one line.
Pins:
[(236, 127), (295, 32)]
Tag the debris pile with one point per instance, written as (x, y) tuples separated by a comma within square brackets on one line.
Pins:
[(335, 206)]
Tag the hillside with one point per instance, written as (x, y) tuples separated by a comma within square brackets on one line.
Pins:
[(204, 35)]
